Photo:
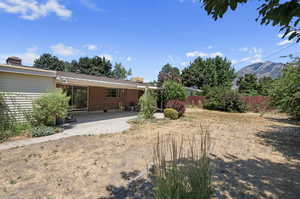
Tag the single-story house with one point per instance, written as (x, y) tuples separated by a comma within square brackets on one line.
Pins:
[(22, 85)]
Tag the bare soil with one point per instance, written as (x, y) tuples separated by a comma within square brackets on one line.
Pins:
[(252, 157)]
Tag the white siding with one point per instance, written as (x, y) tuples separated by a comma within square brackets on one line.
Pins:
[(20, 90)]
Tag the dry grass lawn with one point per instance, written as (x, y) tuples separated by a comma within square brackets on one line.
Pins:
[(252, 157)]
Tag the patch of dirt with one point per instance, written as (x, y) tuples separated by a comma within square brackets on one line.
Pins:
[(252, 157)]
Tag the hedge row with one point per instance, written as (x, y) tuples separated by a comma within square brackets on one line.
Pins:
[(254, 103)]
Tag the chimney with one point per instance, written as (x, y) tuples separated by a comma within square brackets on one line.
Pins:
[(15, 61), (138, 79)]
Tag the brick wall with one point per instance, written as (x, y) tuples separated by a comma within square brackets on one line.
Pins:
[(99, 101)]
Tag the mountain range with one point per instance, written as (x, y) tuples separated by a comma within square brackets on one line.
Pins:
[(262, 69)]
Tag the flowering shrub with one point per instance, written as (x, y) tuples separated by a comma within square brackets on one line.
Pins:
[(178, 105)]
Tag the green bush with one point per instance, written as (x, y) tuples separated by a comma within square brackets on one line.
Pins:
[(49, 107), (41, 131), (286, 90), (147, 104), (172, 90), (224, 100), (171, 113)]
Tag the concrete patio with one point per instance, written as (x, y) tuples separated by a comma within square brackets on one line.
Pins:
[(88, 123)]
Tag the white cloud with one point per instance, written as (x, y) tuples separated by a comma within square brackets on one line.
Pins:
[(129, 59), (252, 50), (201, 54), (27, 57), (216, 54), (284, 42), (91, 47), (210, 47), (91, 5), (32, 9), (196, 54), (106, 56), (63, 50), (184, 64)]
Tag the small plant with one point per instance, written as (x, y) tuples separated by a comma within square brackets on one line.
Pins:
[(41, 131), (171, 113), (172, 90), (182, 168), (178, 105), (147, 105), (49, 107)]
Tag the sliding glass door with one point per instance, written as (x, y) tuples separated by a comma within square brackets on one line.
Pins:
[(78, 96)]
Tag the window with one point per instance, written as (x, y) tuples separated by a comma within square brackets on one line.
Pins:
[(113, 92)]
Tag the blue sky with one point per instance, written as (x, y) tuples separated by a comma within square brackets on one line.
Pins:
[(142, 34)]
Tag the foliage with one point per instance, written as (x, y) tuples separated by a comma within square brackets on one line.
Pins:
[(99, 66), (41, 131), (178, 105), (49, 62), (168, 72), (171, 113), (284, 14), (147, 104), (224, 100), (212, 72), (248, 84), (265, 86), (6, 118), (120, 72), (172, 90), (49, 107), (180, 171), (286, 90)]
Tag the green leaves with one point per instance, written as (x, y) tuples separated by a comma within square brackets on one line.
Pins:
[(285, 14), (49, 107), (172, 91), (286, 92), (209, 72)]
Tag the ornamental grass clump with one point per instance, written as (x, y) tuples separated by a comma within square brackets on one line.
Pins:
[(182, 167), (147, 104)]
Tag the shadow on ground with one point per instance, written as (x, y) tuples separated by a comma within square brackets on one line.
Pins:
[(284, 139), (137, 187), (255, 178)]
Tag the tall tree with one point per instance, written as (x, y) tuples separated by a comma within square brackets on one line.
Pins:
[(49, 62), (286, 89), (284, 14), (265, 85), (211, 72), (120, 72), (248, 84), (168, 72), (99, 66)]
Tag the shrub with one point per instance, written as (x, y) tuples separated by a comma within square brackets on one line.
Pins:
[(147, 104), (41, 131), (179, 106), (286, 90), (171, 113), (181, 171), (172, 90), (224, 100), (49, 107)]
